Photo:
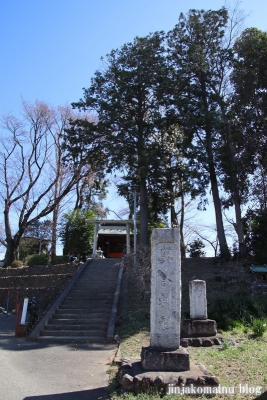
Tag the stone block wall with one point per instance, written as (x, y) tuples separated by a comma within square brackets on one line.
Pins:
[(43, 282)]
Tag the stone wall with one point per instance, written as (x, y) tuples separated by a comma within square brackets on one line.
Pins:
[(43, 282)]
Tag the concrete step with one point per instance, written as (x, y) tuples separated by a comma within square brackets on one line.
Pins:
[(95, 286), (93, 303), (85, 294), (73, 338), (82, 326), (88, 296), (85, 311), (79, 321), (65, 332), (78, 313), (103, 305), (105, 309)]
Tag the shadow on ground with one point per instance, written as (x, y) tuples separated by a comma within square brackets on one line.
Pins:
[(93, 394), (263, 396)]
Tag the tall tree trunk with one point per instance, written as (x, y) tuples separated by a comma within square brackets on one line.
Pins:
[(238, 216), (217, 206), (143, 214), (235, 187), (212, 172), (10, 252), (239, 229), (182, 243), (174, 222), (54, 232), (10, 255)]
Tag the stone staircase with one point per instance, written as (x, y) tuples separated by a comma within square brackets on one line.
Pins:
[(86, 310)]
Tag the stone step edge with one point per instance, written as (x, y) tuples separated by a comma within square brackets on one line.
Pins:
[(113, 315), (92, 332), (91, 339)]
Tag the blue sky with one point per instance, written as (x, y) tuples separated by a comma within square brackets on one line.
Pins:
[(51, 48)]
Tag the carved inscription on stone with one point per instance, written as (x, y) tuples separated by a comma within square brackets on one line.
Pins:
[(165, 288)]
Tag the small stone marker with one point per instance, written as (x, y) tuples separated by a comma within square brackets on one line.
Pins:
[(164, 352), (198, 325), (198, 299)]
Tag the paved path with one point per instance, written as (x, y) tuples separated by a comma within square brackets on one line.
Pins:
[(51, 371)]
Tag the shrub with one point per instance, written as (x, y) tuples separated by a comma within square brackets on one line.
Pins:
[(138, 270), (240, 308), (37, 259), (258, 326), (195, 249), (17, 264), (59, 260)]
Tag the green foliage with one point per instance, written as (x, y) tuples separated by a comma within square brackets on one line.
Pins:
[(41, 230), (17, 264), (137, 128), (154, 225), (226, 343), (195, 249), (37, 259), (259, 326), (127, 97), (257, 234), (36, 239), (26, 248), (169, 117), (249, 73), (59, 260), (249, 108), (201, 63), (77, 235), (227, 311)]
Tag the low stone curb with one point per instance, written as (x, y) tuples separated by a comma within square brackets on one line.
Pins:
[(113, 315), (202, 341), (132, 378)]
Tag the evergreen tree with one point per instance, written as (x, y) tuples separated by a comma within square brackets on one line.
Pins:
[(200, 68), (128, 98), (77, 235), (249, 109)]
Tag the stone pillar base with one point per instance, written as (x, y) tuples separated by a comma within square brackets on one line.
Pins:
[(199, 327), (154, 359)]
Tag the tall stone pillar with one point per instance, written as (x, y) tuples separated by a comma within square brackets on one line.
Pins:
[(165, 353), (165, 289)]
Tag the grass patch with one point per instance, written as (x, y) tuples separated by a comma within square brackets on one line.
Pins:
[(134, 333), (259, 326)]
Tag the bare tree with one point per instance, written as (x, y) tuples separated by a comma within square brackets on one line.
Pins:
[(33, 177)]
